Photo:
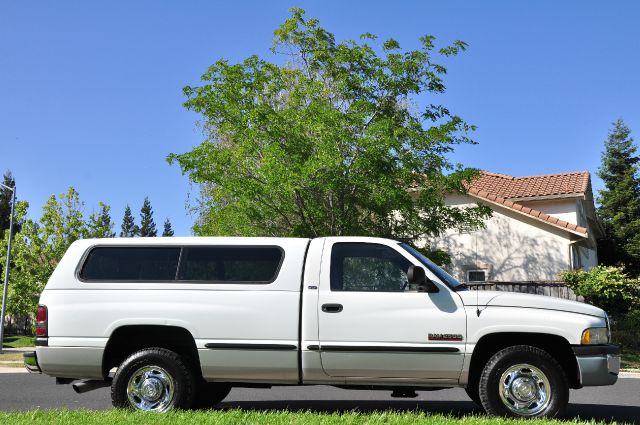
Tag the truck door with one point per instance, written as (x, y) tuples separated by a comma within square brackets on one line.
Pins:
[(373, 324)]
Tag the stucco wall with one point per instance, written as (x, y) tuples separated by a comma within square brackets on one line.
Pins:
[(563, 209), (511, 247)]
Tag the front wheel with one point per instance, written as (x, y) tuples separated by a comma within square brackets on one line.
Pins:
[(523, 381), (153, 379)]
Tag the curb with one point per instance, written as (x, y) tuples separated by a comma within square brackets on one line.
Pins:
[(13, 370), (17, 350)]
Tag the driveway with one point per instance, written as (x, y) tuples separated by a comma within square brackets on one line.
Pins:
[(621, 402)]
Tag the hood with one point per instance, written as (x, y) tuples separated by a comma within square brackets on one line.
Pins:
[(515, 299)]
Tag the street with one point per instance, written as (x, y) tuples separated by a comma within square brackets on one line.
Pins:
[(621, 402)]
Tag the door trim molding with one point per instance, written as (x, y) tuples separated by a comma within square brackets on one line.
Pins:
[(382, 348), (245, 346)]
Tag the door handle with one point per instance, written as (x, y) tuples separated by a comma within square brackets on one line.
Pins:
[(332, 308)]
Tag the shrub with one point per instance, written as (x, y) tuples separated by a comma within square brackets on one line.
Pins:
[(606, 287), (626, 331)]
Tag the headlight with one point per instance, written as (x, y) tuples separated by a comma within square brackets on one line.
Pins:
[(593, 336)]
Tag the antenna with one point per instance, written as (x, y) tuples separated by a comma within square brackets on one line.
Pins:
[(477, 302)]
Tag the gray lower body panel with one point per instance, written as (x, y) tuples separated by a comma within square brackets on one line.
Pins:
[(266, 366), (71, 362), (598, 365)]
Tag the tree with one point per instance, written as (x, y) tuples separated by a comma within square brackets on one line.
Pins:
[(168, 231), (147, 225), (100, 224), (619, 200), (22, 286), (39, 246), (331, 143), (5, 205), (129, 228)]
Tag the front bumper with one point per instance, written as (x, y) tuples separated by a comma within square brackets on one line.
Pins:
[(597, 364), (31, 362)]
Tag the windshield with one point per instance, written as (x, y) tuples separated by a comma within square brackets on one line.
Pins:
[(445, 277)]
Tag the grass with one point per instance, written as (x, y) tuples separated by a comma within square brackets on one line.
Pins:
[(239, 417), (10, 359), (19, 341), (630, 359)]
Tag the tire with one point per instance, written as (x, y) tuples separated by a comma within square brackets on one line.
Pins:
[(153, 379), (209, 394), (523, 381)]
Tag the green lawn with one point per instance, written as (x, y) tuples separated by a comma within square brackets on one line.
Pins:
[(630, 359), (235, 417), (10, 359), (19, 341)]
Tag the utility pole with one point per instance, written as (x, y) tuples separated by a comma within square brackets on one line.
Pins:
[(8, 263)]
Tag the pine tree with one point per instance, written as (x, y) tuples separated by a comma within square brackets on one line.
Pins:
[(100, 224), (129, 227), (619, 201), (5, 205), (168, 231), (147, 225)]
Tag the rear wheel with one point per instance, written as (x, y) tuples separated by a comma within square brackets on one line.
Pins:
[(153, 379), (523, 381)]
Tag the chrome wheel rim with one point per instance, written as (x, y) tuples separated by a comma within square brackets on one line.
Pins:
[(151, 388), (524, 389)]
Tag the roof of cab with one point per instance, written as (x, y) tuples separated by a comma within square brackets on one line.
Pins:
[(215, 240)]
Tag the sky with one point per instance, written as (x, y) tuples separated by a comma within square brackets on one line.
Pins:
[(91, 92)]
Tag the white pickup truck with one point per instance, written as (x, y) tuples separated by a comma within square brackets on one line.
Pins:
[(177, 322)]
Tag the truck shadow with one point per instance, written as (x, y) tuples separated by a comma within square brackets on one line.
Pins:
[(457, 409)]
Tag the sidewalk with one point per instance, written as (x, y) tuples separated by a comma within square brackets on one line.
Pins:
[(17, 350)]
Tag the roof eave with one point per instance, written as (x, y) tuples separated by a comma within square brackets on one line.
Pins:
[(584, 235)]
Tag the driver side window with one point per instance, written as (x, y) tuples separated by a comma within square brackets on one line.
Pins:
[(368, 267)]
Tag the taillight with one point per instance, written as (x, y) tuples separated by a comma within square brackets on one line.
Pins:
[(41, 321)]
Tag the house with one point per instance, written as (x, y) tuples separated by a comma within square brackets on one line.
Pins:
[(541, 226)]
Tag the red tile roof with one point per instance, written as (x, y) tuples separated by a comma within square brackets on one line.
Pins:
[(504, 190), (548, 185)]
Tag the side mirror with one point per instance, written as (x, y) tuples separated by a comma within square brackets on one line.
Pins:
[(417, 276)]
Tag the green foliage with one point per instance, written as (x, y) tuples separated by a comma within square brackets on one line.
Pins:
[(147, 225), (39, 246), (607, 287), (330, 143), (100, 224), (20, 286), (626, 331), (129, 228), (18, 341), (5, 206), (438, 256), (620, 200), (168, 231)]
